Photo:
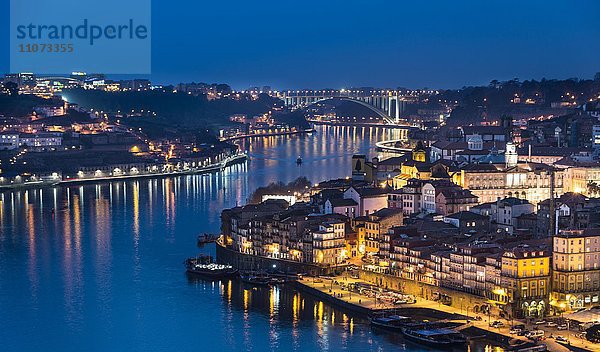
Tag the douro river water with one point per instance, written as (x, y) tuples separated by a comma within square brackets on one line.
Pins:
[(99, 267)]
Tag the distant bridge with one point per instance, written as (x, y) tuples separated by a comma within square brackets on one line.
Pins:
[(390, 146), (385, 103)]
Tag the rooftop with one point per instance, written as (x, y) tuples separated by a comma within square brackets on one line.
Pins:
[(466, 216), (342, 202), (579, 233)]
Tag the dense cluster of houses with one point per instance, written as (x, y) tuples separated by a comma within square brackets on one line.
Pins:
[(521, 234)]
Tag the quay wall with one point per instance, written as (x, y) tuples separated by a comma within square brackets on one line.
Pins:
[(460, 300), (329, 298), (463, 301)]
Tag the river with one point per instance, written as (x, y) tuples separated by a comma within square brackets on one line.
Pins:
[(99, 267)]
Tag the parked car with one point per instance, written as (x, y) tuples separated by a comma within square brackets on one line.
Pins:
[(535, 334), (523, 332), (497, 324), (540, 322), (560, 338), (563, 327), (515, 330), (551, 324)]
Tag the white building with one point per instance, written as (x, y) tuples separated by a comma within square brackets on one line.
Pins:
[(428, 198), (328, 243), (596, 139), (9, 141), (51, 111), (40, 140), (369, 200), (347, 207), (506, 211), (290, 199)]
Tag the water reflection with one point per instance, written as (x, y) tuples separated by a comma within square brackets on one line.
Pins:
[(87, 261), (295, 316)]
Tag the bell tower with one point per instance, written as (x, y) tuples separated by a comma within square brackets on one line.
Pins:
[(510, 155)]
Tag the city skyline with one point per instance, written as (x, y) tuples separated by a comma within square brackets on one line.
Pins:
[(258, 176), (441, 46)]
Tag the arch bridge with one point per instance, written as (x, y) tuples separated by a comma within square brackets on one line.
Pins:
[(389, 105)]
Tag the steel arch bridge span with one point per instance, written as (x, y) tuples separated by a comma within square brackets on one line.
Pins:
[(377, 111)]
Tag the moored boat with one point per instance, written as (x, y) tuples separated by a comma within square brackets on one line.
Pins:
[(206, 238), (392, 322), (258, 279), (439, 337), (204, 266)]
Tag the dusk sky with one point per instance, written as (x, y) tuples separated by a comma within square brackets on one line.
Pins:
[(335, 44)]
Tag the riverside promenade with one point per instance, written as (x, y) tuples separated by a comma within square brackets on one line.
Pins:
[(216, 167), (333, 290)]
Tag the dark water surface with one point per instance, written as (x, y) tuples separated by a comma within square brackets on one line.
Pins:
[(104, 272)]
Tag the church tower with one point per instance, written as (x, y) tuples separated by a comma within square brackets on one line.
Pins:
[(419, 153), (510, 155)]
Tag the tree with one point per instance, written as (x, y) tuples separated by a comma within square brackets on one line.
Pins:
[(593, 188), (597, 77), (12, 88)]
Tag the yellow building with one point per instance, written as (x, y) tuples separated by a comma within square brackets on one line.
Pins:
[(576, 269), (416, 169), (371, 236), (360, 240), (370, 229), (419, 153), (367, 236), (578, 178), (411, 169), (525, 280)]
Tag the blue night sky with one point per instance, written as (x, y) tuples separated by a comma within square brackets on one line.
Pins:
[(318, 44)]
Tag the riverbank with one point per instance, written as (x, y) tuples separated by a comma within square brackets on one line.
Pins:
[(389, 146), (332, 291), (287, 133), (216, 167), (358, 124)]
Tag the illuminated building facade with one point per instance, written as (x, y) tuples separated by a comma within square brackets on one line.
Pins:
[(576, 269), (525, 277)]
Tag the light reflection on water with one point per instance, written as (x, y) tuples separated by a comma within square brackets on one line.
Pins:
[(99, 267)]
